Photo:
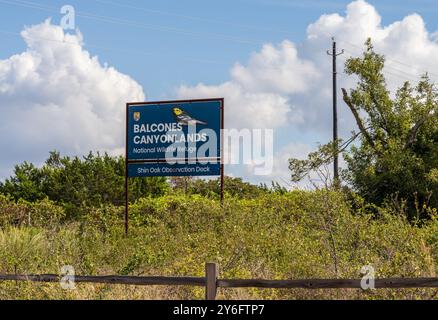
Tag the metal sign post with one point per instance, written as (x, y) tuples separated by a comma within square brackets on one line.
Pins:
[(174, 138)]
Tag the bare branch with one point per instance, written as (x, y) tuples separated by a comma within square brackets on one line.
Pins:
[(347, 143), (414, 131), (359, 122), (384, 125)]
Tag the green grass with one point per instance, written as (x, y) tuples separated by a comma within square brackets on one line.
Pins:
[(292, 236)]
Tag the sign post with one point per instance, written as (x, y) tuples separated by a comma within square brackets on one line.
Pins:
[(174, 138)]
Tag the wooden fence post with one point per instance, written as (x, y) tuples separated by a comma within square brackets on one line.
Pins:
[(211, 275)]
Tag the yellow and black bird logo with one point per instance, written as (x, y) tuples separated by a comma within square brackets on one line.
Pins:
[(185, 119)]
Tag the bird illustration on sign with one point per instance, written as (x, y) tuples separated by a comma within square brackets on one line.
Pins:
[(185, 119)]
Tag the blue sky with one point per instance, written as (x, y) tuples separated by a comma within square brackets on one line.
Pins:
[(163, 59), (164, 45)]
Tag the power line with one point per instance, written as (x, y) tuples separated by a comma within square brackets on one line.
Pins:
[(46, 8), (412, 76), (408, 76), (190, 17), (125, 52), (405, 64), (105, 48), (405, 75), (129, 23), (361, 48), (137, 25), (143, 53), (86, 15)]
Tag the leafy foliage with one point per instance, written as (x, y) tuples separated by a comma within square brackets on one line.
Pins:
[(22, 213), (399, 145), (234, 187), (291, 236), (79, 182), (398, 151)]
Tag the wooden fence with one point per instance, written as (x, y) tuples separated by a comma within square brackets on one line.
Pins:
[(211, 282)]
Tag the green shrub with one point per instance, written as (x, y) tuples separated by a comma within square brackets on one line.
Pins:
[(276, 236), (42, 213)]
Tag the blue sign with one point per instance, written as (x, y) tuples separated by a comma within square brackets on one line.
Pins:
[(182, 130), (173, 131), (175, 170)]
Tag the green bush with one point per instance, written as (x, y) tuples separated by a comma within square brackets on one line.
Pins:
[(276, 236), (42, 213), (90, 181)]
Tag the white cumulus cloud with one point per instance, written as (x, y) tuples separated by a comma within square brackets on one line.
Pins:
[(55, 95), (245, 109), (257, 94), (290, 85)]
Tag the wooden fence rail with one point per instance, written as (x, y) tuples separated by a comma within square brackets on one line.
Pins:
[(211, 282), (128, 280)]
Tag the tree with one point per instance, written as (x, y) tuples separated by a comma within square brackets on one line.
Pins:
[(92, 180), (181, 183), (397, 153), (27, 183), (234, 187)]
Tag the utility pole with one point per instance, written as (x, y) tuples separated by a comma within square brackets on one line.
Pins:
[(334, 54)]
